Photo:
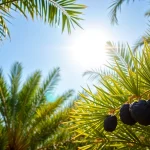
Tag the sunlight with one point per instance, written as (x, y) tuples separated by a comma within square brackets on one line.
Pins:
[(88, 49)]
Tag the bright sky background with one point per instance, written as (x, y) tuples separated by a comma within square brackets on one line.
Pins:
[(39, 46)]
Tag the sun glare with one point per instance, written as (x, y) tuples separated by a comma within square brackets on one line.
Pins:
[(88, 49)]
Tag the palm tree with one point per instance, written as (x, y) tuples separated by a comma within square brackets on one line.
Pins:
[(28, 121), (54, 12), (126, 80)]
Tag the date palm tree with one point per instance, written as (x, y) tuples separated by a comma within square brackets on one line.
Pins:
[(28, 121), (54, 12), (126, 80)]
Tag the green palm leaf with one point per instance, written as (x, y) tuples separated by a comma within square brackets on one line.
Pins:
[(140, 42), (115, 7), (54, 12)]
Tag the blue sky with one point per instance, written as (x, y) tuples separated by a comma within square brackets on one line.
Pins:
[(39, 46)]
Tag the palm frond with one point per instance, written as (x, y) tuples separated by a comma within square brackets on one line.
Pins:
[(47, 109), (15, 76), (115, 7), (47, 87), (140, 42), (118, 53), (26, 95), (92, 74), (147, 13), (55, 12), (47, 128), (96, 74), (4, 31), (51, 81)]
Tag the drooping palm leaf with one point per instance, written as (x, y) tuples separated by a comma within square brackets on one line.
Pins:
[(140, 42), (115, 7), (55, 12), (96, 74)]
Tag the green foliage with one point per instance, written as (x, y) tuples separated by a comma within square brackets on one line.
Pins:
[(28, 120), (54, 12), (145, 37), (127, 80), (115, 7)]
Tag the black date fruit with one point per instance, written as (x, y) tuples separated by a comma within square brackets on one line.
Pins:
[(110, 123), (140, 111), (125, 115)]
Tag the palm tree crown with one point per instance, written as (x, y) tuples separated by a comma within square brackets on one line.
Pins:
[(126, 81), (27, 120)]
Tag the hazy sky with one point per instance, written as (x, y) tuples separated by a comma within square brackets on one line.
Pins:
[(39, 46)]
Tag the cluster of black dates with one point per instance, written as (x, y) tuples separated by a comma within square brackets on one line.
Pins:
[(130, 114)]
